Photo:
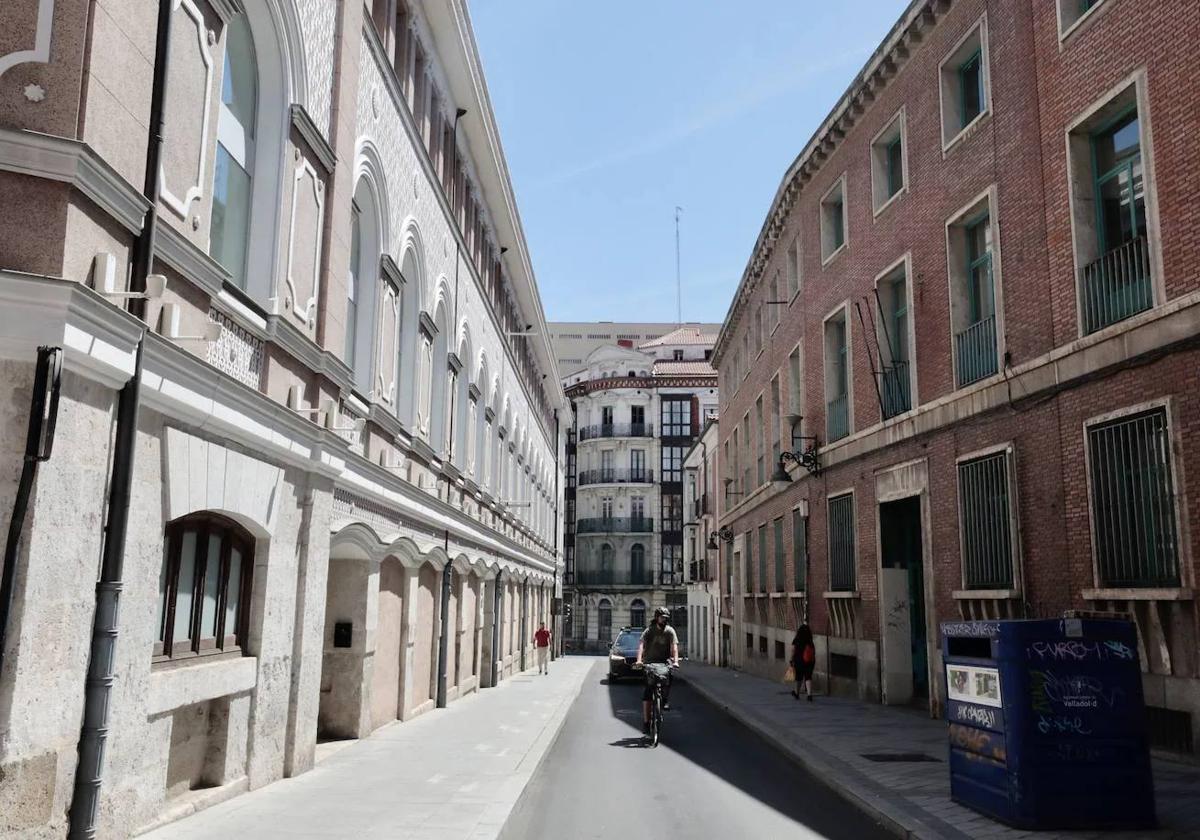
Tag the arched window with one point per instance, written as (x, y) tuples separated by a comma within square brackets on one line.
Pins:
[(362, 292), (232, 187), (637, 565), (637, 613), (204, 587), (605, 624)]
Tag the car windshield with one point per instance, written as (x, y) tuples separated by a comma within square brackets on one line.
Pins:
[(628, 641)]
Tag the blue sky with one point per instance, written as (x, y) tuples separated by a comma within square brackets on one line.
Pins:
[(612, 113)]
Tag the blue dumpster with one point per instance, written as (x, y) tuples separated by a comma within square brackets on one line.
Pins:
[(1047, 723)]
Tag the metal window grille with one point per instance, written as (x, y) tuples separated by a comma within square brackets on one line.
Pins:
[(762, 558), (799, 551), (985, 518), (780, 581), (749, 567), (841, 543), (1133, 502)]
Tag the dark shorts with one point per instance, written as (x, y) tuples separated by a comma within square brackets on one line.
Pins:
[(804, 670)]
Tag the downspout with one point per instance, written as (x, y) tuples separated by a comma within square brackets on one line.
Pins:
[(43, 416), (143, 246), (497, 629), (444, 639), (524, 621), (98, 692), (457, 262)]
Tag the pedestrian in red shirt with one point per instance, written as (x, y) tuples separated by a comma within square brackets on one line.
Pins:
[(542, 640)]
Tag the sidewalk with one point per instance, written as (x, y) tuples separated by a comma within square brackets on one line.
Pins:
[(450, 774), (830, 736)]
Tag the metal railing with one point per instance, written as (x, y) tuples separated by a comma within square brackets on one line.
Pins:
[(612, 475), (615, 525), (975, 349), (895, 389), (609, 430), (614, 577), (837, 418), (1117, 285)]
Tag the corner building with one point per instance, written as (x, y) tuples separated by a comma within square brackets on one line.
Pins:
[(636, 413), (989, 345), (345, 483)]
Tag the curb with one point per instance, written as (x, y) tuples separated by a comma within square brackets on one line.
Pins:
[(896, 820)]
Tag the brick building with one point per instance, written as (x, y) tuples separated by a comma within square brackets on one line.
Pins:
[(343, 473), (990, 287)]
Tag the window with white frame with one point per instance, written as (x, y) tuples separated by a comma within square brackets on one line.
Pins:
[(965, 84), (974, 292), (834, 220), (1110, 198), (1135, 532), (837, 375), (232, 181), (842, 571), (1071, 13), (894, 341), (986, 521), (889, 163), (793, 268)]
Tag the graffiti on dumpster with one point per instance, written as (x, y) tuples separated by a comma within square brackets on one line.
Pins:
[(1076, 651), (977, 715), (1062, 725), (970, 629), (978, 741), (1071, 691)]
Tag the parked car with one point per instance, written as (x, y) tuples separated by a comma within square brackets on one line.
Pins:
[(623, 654)]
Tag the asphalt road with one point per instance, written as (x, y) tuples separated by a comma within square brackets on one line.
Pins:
[(709, 777)]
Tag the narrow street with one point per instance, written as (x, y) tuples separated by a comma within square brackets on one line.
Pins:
[(708, 778)]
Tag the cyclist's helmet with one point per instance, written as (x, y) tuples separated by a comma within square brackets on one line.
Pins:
[(662, 612)]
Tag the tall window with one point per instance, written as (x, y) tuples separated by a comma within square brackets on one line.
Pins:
[(842, 575), (837, 377), (749, 567), (672, 464), (799, 552), (637, 420), (971, 94), (230, 224), (605, 624), (762, 558), (760, 447), (894, 371), (985, 514), (887, 162), (637, 465), (204, 587), (637, 613), (352, 287), (672, 512), (637, 568), (780, 578), (672, 563), (974, 281), (964, 83), (1134, 532), (833, 220)]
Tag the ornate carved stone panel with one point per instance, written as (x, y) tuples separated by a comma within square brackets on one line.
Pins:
[(188, 109), (303, 278), (387, 359)]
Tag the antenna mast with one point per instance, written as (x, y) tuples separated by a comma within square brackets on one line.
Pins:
[(678, 282)]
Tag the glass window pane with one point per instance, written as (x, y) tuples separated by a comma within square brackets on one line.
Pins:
[(1117, 143), (162, 593), (971, 81), (212, 588), (233, 597), (239, 88), (230, 215), (895, 163), (185, 594)]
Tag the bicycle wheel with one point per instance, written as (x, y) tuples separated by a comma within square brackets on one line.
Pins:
[(656, 719)]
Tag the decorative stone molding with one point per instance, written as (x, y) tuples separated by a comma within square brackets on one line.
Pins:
[(391, 271), (387, 361), (40, 54), (427, 324), (182, 204), (75, 163), (473, 391), (303, 276), (184, 256), (454, 362), (302, 121), (385, 420)]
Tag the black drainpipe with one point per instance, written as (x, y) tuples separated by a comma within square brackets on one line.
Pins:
[(100, 677), (554, 645), (143, 246), (43, 416), (497, 629), (444, 640), (524, 620)]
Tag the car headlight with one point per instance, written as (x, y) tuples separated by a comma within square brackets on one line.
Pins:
[(616, 657)]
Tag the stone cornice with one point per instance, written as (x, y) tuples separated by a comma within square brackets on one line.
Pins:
[(173, 248), (302, 121), (284, 334), (75, 163), (641, 382), (226, 10), (391, 271)]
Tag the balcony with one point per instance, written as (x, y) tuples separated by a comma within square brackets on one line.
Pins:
[(612, 430), (701, 571), (895, 389), (975, 349), (837, 418), (609, 475), (1116, 286), (700, 506), (614, 577), (615, 525)]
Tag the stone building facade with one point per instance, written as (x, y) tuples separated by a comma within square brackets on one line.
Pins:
[(710, 639), (989, 345), (574, 341), (636, 412), (345, 475)]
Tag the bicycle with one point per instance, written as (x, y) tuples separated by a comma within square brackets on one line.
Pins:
[(658, 674)]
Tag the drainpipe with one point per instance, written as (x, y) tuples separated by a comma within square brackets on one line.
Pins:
[(43, 416), (444, 640), (143, 246), (555, 648), (100, 679), (524, 621), (497, 629)]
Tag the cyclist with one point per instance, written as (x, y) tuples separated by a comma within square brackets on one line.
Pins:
[(659, 643)]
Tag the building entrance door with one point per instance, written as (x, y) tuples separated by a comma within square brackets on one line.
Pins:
[(902, 597)]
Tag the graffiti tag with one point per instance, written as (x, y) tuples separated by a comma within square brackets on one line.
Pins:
[(1062, 725), (1073, 691), (972, 629), (1073, 651), (978, 715)]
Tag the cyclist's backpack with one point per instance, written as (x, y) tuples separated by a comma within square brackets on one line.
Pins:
[(808, 654)]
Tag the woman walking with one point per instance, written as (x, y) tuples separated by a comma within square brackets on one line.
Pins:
[(804, 657)]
